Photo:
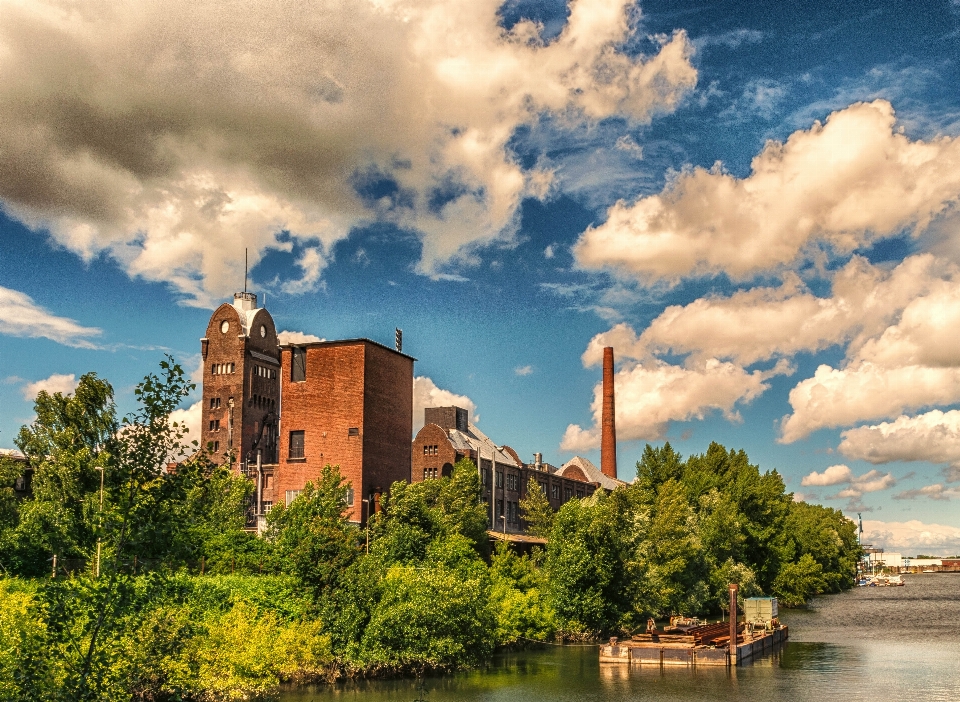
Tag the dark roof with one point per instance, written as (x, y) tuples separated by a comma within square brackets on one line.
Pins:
[(346, 342)]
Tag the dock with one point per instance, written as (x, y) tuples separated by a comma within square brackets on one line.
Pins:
[(705, 645)]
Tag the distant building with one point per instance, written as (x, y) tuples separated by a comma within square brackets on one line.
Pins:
[(283, 413), (22, 485), (448, 436)]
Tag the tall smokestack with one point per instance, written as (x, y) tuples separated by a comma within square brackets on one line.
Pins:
[(608, 425)]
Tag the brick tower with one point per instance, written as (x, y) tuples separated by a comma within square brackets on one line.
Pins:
[(608, 422), (241, 383)]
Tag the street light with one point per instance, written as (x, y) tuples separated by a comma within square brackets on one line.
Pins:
[(99, 468), (366, 522)]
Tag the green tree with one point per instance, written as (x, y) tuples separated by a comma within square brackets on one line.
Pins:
[(67, 446), (537, 512), (586, 566), (798, 582), (312, 536)]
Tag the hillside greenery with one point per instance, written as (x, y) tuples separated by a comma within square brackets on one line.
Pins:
[(188, 606)]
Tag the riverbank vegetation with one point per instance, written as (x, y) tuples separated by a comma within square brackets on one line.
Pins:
[(161, 594)]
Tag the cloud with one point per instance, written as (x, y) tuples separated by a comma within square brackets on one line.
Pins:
[(167, 136), (842, 184), (841, 397), (191, 418), (650, 396), (523, 370), (933, 436), (912, 364), (295, 337), (548, 252), (934, 492), (834, 475), (427, 394), (778, 322), (856, 485), (21, 316), (58, 382), (912, 536)]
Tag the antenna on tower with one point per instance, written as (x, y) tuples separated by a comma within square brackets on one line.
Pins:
[(245, 270)]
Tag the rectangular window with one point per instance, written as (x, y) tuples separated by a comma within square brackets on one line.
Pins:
[(267, 506), (296, 445), (292, 495), (298, 365), (499, 508), (216, 446), (214, 425), (555, 492), (214, 403), (353, 431), (543, 486), (485, 476), (348, 499), (567, 494), (426, 450), (499, 478), (579, 494)]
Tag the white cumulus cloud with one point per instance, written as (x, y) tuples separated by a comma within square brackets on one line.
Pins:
[(650, 396), (844, 183), (427, 394), (21, 316), (855, 485), (912, 537), (769, 322), (933, 492), (58, 382), (170, 134), (296, 337), (933, 436), (191, 419)]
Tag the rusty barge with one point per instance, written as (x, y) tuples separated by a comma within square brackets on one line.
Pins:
[(724, 643)]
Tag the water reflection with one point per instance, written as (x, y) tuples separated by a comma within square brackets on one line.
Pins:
[(869, 644)]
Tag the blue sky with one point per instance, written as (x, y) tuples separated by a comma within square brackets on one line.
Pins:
[(754, 203)]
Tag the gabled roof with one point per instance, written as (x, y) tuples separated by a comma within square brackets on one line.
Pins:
[(473, 438), (592, 472)]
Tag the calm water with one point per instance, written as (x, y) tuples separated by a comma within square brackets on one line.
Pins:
[(897, 643)]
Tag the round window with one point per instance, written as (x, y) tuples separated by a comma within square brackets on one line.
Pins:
[(263, 331), (224, 327)]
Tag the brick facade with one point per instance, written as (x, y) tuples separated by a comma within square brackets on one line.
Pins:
[(447, 436), (354, 408), (241, 384)]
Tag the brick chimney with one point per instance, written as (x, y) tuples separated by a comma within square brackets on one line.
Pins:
[(608, 425)]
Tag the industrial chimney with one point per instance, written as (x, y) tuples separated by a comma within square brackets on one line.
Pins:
[(608, 425)]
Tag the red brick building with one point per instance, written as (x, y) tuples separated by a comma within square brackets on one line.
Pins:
[(447, 436), (346, 403), (283, 412), (241, 390)]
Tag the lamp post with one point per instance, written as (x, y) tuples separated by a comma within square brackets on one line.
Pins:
[(366, 521), (100, 468)]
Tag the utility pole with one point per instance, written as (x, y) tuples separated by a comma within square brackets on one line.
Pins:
[(100, 468)]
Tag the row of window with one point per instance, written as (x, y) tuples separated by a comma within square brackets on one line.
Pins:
[(513, 511), (431, 450), (223, 368), (291, 495), (263, 372), (431, 473), (261, 402), (214, 425), (214, 403)]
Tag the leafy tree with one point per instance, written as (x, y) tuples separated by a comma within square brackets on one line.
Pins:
[(537, 512), (67, 446), (313, 538), (798, 582), (586, 566), (518, 597)]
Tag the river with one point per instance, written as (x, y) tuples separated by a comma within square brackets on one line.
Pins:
[(878, 644)]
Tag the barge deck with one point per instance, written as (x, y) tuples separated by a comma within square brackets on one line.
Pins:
[(704, 645)]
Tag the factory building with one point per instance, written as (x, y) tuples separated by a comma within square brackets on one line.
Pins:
[(280, 413)]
